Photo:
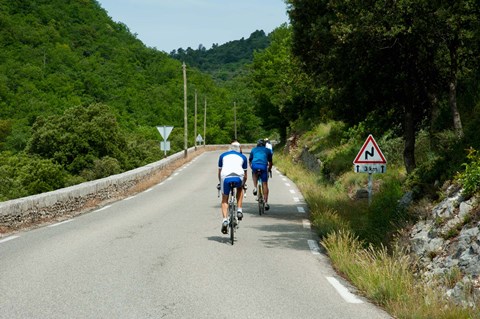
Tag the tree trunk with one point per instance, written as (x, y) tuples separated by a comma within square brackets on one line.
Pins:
[(409, 138), (452, 101)]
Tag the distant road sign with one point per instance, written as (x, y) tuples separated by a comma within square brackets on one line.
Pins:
[(199, 138), (370, 158), (165, 131)]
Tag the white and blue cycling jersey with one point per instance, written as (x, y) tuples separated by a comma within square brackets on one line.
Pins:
[(233, 166), (232, 163)]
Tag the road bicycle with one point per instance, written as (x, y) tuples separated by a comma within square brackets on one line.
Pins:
[(232, 211)]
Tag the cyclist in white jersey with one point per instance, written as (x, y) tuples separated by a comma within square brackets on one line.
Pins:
[(232, 167)]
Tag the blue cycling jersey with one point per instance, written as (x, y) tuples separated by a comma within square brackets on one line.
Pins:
[(260, 155)]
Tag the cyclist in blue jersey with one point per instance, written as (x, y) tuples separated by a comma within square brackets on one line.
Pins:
[(232, 167), (261, 158)]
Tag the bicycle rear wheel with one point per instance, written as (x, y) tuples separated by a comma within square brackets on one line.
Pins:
[(261, 201)]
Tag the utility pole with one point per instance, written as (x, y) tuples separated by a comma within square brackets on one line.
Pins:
[(235, 117), (185, 135), (195, 129), (205, 124)]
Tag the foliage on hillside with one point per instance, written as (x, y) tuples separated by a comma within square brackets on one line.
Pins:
[(81, 96), (224, 62)]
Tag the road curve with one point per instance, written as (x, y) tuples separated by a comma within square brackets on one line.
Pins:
[(160, 254)]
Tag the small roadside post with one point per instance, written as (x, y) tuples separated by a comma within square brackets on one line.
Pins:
[(370, 160), (165, 132)]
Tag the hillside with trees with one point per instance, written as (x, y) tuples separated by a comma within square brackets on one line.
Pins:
[(227, 61), (81, 96)]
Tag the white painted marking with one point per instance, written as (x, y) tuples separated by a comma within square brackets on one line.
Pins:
[(103, 208), (60, 223), (296, 199), (169, 179), (175, 174), (306, 224), (8, 238), (129, 198), (300, 209), (148, 190), (287, 184), (314, 247), (284, 179), (292, 191), (346, 295)]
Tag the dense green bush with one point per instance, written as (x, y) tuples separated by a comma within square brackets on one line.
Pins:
[(23, 175), (470, 178)]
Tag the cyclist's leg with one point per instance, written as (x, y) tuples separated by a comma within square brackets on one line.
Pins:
[(225, 192), (256, 167), (254, 179), (265, 187), (225, 189)]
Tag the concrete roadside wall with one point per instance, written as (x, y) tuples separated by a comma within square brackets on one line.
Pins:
[(70, 201)]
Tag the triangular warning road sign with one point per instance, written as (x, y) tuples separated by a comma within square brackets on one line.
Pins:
[(370, 153)]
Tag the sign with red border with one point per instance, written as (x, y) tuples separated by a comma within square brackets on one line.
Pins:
[(370, 158)]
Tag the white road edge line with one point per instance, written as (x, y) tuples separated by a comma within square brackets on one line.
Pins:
[(314, 247), (306, 224), (346, 295), (148, 190), (103, 208), (296, 199), (8, 238), (60, 223)]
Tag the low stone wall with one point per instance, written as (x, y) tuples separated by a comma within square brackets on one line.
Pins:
[(21, 212), (70, 201)]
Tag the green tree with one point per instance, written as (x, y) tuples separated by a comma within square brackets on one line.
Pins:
[(283, 91), (380, 58), (78, 137)]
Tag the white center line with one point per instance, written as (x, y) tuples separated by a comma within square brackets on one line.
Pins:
[(7, 239), (60, 223), (347, 295)]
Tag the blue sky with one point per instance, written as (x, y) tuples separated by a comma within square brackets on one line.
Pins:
[(171, 24)]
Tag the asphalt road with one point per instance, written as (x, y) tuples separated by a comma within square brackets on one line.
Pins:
[(160, 254)]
